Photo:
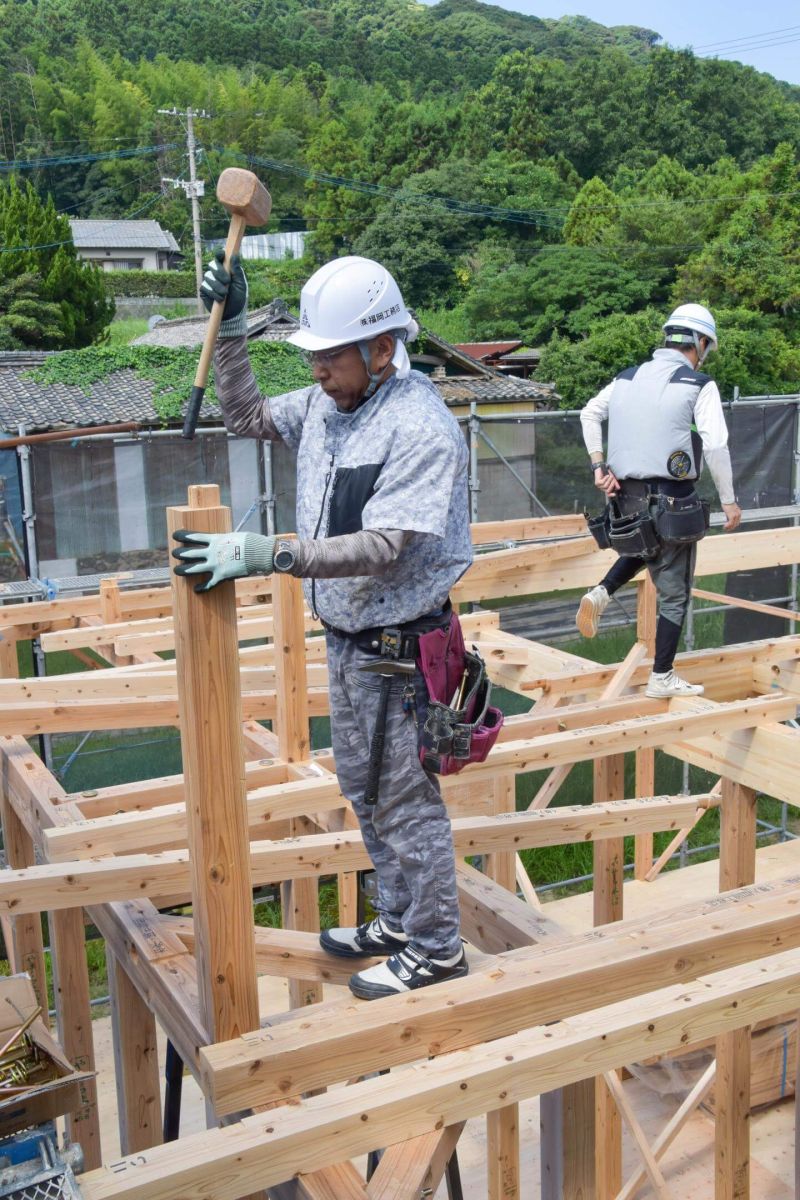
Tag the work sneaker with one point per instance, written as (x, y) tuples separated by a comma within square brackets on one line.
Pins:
[(371, 938), (591, 609), (406, 971), (670, 684)]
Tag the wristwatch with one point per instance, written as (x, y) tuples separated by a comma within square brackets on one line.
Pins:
[(603, 466), (284, 557)]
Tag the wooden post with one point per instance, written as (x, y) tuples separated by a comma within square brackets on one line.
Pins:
[(737, 868), (609, 859), (502, 1125), (135, 1062), (26, 949), (645, 759), (74, 1023), (299, 897), (209, 699)]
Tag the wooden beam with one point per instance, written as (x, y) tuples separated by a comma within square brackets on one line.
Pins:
[(533, 572), (133, 1027), (735, 662), (207, 662), (646, 618), (74, 1024), (764, 758), (299, 896), (314, 1132), (311, 1050), (737, 868), (609, 859), (96, 881)]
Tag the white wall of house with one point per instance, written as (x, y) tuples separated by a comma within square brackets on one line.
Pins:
[(122, 259)]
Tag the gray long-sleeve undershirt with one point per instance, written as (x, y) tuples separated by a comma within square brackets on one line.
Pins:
[(246, 413)]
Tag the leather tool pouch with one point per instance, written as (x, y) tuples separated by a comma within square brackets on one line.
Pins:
[(633, 535), (681, 520), (599, 528), (460, 725)]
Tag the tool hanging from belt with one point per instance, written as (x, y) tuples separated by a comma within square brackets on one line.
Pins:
[(393, 643)]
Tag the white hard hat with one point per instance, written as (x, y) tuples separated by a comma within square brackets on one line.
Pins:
[(348, 300), (695, 318)]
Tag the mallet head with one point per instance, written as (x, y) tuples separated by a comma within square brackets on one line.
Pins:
[(243, 193)]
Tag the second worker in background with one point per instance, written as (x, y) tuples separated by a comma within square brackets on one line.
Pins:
[(663, 417)]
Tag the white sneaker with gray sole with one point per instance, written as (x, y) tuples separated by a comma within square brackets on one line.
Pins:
[(368, 940), (670, 683), (591, 609), (406, 971)]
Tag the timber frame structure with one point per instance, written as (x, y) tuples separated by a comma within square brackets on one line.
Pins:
[(255, 806)]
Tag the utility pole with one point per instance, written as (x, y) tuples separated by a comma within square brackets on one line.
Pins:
[(193, 189)]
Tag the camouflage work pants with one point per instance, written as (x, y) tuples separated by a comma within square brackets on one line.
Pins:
[(407, 833)]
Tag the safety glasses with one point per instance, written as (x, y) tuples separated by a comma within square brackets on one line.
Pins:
[(323, 358)]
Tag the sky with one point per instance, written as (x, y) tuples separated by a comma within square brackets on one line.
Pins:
[(764, 35)]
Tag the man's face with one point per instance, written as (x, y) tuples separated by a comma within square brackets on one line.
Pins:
[(341, 373)]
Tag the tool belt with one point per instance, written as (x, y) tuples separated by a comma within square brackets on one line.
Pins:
[(396, 641), (653, 519)]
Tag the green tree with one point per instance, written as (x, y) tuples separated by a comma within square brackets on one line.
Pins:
[(594, 218), (27, 319), (38, 242), (580, 369)]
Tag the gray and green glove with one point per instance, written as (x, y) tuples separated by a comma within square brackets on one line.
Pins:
[(229, 287), (222, 556)]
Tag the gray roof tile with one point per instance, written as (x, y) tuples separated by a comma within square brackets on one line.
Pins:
[(124, 235)]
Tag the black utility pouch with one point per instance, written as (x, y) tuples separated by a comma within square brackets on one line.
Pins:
[(599, 528), (633, 535), (681, 520)]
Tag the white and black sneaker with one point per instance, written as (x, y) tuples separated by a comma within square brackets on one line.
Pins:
[(370, 939), (406, 971)]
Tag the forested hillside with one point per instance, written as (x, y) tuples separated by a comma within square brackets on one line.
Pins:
[(553, 180)]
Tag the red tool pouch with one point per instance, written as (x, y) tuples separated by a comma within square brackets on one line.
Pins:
[(460, 726)]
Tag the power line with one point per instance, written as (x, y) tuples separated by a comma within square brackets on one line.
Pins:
[(30, 164), (746, 38)]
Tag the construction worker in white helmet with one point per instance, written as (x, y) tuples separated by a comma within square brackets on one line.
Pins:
[(382, 535), (664, 417)]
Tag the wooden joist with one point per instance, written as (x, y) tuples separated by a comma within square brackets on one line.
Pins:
[(323, 1129), (534, 985), (99, 880)]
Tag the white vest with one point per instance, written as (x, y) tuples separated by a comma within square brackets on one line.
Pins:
[(651, 418)]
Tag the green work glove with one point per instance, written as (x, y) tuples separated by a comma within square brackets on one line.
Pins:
[(230, 287), (222, 556)]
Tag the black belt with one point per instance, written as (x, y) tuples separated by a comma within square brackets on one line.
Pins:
[(395, 641), (656, 487)]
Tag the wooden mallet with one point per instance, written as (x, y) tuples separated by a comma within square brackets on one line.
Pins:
[(249, 203)]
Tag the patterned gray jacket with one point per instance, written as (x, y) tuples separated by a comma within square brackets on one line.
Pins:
[(398, 462)]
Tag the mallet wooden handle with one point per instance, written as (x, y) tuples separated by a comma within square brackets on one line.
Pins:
[(232, 245)]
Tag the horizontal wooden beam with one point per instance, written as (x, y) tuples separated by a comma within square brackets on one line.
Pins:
[(77, 716), (735, 662), (535, 985), (58, 885), (269, 1148), (532, 575)]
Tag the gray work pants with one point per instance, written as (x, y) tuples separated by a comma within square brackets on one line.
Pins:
[(407, 833)]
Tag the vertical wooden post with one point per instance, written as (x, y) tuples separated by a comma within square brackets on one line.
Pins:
[(609, 860), (737, 868), (26, 951), (299, 897), (645, 759), (74, 1023), (135, 1062), (209, 699), (502, 1125)]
